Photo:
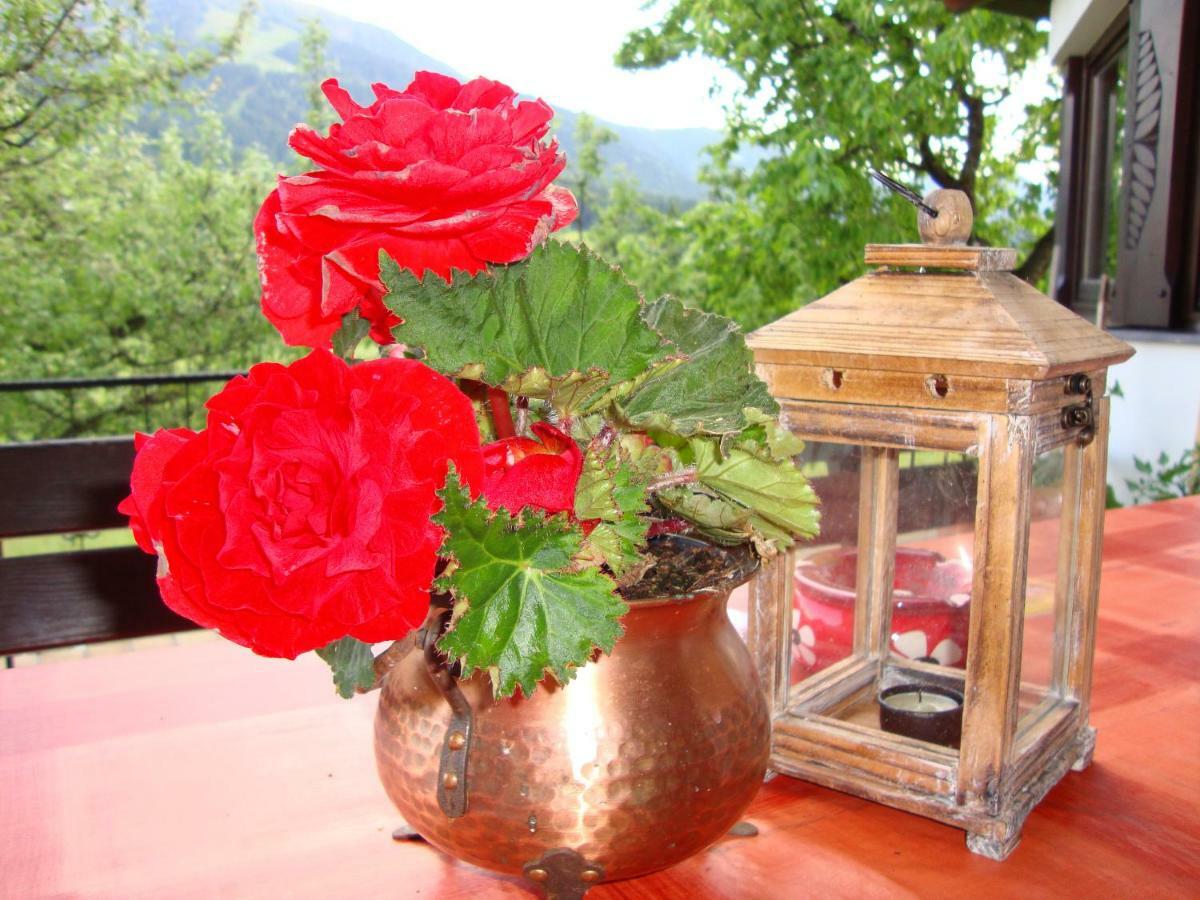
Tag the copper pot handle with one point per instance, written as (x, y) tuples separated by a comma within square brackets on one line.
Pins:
[(456, 745)]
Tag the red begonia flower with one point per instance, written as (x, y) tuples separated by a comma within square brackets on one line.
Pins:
[(520, 472), (301, 514), (441, 176)]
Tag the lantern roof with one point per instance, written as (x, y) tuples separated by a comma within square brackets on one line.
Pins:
[(950, 309)]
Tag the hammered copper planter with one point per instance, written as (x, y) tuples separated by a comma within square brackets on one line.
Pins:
[(647, 757)]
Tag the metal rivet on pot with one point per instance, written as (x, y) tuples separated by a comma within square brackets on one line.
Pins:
[(457, 740), (589, 875), (538, 874), (450, 781)]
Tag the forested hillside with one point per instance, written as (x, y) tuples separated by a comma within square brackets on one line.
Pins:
[(261, 94)]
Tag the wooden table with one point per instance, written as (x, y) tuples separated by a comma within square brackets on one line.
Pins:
[(203, 771)]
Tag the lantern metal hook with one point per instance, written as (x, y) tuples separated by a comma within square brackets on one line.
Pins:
[(906, 192)]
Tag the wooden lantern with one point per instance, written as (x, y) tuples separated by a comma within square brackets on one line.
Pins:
[(956, 430)]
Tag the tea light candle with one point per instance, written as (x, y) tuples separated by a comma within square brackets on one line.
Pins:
[(932, 714), (920, 701)]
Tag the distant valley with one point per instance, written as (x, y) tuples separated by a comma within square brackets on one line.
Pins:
[(261, 95)]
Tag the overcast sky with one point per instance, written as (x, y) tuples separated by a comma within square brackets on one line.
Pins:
[(561, 50)]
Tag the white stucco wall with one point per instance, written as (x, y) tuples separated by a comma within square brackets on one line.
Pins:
[(1076, 25), (1161, 407)]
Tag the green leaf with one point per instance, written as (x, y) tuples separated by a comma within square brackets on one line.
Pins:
[(347, 338), (352, 663), (562, 325), (746, 493), (619, 545), (612, 490), (522, 607), (710, 391), (780, 442)]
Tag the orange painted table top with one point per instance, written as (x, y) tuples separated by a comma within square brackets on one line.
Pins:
[(203, 771)]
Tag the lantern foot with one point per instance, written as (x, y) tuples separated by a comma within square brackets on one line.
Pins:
[(1085, 746), (993, 847)]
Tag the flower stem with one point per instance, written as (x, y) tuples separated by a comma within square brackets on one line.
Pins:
[(522, 416), (501, 413), (673, 479), (603, 439)]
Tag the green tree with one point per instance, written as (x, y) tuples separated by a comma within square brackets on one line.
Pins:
[(69, 66), (140, 260), (123, 254), (590, 138), (314, 68), (828, 90)]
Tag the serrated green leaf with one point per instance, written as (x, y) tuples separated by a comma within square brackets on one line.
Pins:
[(522, 609), (351, 333), (619, 545), (746, 494), (352, 663), (780, 442), (710, 391), (716, 517), (561, 325), (611, 489)]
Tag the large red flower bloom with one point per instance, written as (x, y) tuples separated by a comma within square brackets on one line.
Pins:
[(520, 471), (441, 176), (301, 514)]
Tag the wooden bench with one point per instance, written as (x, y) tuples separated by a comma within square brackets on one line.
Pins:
[(57, 599)]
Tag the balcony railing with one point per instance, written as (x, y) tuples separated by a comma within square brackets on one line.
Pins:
[(57, 408)]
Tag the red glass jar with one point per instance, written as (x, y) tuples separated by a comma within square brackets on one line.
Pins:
[(930, 612)]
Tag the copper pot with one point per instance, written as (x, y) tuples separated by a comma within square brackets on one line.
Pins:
[(648, 756)]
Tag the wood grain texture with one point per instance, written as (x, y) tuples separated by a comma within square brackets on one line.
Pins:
[(941, 256), (984, 324), (76, 598), (877, 519), (917, 390), (205, 771), (55, 599), (998, 601), (57, 486)]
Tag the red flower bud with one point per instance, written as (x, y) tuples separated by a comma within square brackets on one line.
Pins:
[(520, 472)]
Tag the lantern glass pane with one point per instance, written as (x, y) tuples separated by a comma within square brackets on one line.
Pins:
[(934, 547), (1041, 586), (824, 586), (928, 599)]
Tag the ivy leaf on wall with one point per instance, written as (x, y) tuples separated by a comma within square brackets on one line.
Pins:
[(523, 607)]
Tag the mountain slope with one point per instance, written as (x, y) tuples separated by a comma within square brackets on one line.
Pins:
[(261, 95)]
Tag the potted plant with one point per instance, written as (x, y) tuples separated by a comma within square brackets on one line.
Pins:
[(550, 459)]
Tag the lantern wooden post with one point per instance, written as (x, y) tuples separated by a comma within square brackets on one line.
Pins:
[(940, 350)]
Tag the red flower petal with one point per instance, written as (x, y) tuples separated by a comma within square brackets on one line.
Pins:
[(442, 176), (520, 472), (302, 513)]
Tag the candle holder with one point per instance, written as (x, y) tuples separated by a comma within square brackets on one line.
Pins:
[(952, 415), (922, 712)]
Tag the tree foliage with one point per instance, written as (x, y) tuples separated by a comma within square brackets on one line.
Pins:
[(69, 66), (590, 138), (827, 90), (123, 254)]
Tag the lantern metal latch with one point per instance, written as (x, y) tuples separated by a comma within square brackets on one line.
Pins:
[(1080, 415)]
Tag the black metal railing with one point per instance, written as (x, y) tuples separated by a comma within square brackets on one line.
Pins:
[(55, 408)]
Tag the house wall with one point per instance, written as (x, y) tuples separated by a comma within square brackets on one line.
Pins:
[(1160, 409), (1076, 25)]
